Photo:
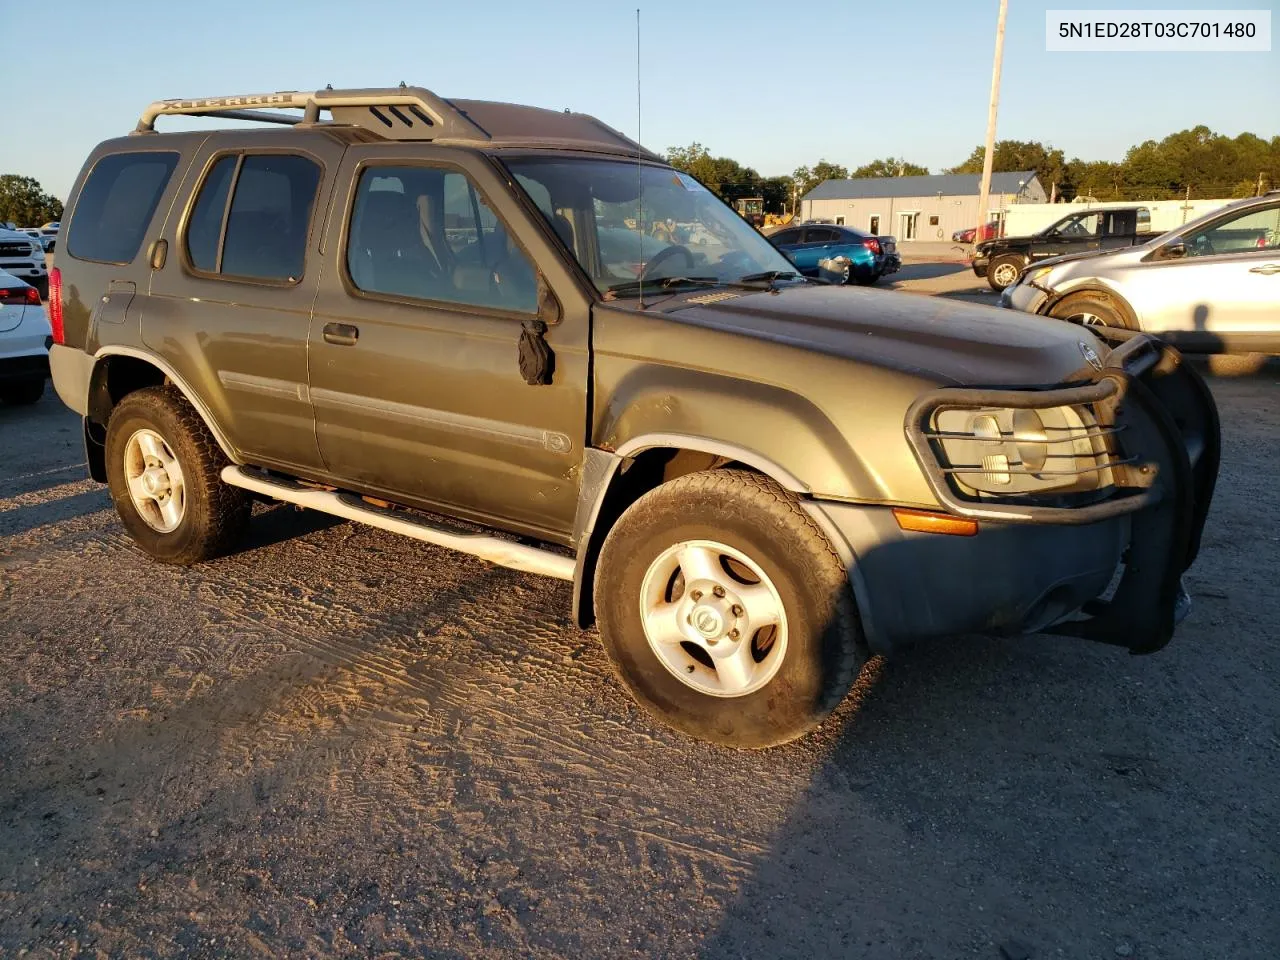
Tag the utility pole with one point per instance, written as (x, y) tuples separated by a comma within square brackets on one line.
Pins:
[(984, 186), (1259, 183)]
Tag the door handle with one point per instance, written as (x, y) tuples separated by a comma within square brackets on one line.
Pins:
[(341, 334), (1266, 269)]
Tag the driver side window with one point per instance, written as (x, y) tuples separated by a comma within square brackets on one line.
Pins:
[(1247, 232)]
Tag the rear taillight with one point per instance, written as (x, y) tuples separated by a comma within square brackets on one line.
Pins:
[(13, 296), (55, 306), (33, 297), (872, 244)]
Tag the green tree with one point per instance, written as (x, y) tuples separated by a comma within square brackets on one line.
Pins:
[(891, 167), (823, 170), (24, 201), (1049, 163)]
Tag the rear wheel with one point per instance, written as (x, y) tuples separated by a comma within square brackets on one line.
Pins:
[(725, 610), (1092, 310), (163, 469), (869, 280), (22, 393), (1003, 271)]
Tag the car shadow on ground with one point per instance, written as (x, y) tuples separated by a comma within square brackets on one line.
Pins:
[(278, 522), (930, 270)]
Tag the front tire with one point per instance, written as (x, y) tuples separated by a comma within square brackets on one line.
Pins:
[(726, 612), (23, 393), (1003, 271), (1092, 310), (163, 469)]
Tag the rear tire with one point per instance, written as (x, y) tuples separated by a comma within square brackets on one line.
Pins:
[(163, 470), (1003, 271), (771, 573), (868, 281), (23, 393)]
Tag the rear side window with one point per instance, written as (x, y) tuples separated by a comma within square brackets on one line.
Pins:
[(205, 229), (116, 205), (265, 232)]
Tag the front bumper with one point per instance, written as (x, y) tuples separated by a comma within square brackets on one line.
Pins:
[(979, 265), (1025, 297), (1049, 568)]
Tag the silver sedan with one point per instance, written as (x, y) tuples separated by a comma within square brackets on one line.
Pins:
[(1210, 286)]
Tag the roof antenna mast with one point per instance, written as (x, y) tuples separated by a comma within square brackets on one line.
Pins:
[(639, 165)]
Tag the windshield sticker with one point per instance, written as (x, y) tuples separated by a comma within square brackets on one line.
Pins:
[(686, 181)]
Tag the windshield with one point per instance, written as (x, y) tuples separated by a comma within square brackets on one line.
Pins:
[(681, 230)]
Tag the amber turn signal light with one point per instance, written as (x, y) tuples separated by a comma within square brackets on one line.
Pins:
[(923, 521)]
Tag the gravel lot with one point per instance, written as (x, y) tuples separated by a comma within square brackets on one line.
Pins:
[(338, 743)]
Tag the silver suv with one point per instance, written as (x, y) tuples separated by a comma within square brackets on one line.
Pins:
[(1210, 286)]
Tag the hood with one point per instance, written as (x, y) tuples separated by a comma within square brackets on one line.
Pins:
[(1118, 255), (1072, 257), (943, 340)]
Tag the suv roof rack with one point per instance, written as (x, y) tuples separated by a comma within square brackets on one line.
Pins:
[(408, 113)]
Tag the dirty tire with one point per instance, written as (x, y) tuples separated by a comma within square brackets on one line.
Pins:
[(752, 514), (998, 271), (215, 516), (1092, 309), (23, 393)]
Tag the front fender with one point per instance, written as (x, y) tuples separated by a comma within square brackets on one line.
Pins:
[(770, 428)]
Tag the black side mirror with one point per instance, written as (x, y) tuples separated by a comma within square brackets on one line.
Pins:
[(548, 306), (1173, 251)]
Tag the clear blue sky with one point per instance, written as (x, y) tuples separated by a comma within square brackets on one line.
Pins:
[(773, 85)]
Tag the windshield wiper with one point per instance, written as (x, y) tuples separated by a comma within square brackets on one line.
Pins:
[(769, 276), (631, 287)]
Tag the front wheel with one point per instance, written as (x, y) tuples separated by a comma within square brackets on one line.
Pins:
[(1003, 272), (163, 469), (1091, 310), (726, 612)]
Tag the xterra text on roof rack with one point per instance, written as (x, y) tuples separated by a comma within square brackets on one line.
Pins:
[(751, 479)]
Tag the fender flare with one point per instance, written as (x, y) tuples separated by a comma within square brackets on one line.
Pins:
[(684, 441), (177, 380)]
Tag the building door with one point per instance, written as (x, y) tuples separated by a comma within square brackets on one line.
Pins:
[(873, 225), (907, 225)]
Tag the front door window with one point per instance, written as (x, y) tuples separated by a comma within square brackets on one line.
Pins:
[(1245, 233)]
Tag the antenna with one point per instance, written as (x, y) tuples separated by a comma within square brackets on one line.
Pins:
[(639, 165)]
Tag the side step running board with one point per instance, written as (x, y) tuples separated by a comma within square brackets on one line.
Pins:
[(517, 556)]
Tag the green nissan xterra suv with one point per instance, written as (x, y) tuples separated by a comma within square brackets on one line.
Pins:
[(397, 308)]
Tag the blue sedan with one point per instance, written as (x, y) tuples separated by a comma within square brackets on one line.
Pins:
[(857, 257)]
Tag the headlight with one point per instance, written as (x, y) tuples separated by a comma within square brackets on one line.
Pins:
[(1007, 452), (1036, 274)]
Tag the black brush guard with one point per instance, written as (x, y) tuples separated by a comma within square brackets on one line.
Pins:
[(1163, 424)]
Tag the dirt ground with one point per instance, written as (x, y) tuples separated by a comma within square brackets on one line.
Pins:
[(340, 743)]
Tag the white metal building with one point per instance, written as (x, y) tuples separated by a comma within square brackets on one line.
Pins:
[(917, 208)]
